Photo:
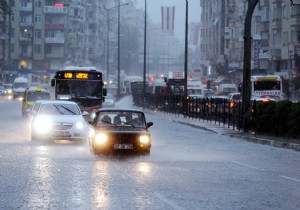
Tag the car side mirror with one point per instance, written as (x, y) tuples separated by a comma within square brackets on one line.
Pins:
[(85, 113), (33, 112), (52, 82), (149, 124)]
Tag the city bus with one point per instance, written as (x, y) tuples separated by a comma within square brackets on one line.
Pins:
[(266, 86), (83, 85)]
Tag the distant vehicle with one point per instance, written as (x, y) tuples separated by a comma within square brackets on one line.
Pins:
[(195, 88), (9, 88), (268, 86), (119, 130), (83, 85), (31, 95), (109, 101), (227, 88), (3, 91), (19, 86), (126, 83), (58, 120)]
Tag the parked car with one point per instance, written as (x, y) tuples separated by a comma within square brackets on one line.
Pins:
[(119, 130), (58, 120)]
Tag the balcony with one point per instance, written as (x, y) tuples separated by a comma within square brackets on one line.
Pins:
[(54, 40), (55, 55), (26, 24), (25, 39), (25, 54), (26, 9), (276, 23), (54, 26)]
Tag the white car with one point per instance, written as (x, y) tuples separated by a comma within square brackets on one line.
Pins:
[(58, 120)]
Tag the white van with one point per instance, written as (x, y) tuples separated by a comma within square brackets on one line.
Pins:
[(19, 86), (195, 88)]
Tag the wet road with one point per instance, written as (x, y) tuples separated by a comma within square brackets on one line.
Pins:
[(188, 168)]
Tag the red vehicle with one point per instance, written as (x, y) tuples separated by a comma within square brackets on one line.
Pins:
[(83, 85)]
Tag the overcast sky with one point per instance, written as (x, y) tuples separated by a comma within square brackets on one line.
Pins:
[(154, 12)]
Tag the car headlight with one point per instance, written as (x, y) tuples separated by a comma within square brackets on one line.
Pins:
[(101, 138), (42, 124), (79, 125), (144, 139)]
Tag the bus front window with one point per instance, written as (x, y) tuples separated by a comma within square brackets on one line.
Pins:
[(78, 88)]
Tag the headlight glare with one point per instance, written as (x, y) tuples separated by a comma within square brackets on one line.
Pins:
[(79, 125), (144, 139), (101, 138), (42, 124)]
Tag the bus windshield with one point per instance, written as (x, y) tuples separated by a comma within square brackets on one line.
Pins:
[(266, 85), (79, 88)]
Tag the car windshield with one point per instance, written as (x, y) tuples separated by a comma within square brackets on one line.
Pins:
[(59, 109), (121, 118), (33, 96)]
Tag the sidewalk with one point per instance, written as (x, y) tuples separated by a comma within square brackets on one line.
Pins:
[(224, 129)]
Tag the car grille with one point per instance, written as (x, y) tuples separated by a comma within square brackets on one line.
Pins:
[(125, 138), (62, 126)]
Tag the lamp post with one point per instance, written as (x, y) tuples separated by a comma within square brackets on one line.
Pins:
[(145, 54), (186, 49), (118, 93), (246, 96)]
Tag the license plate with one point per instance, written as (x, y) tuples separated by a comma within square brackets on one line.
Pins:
[(123, 146), (62, 133)]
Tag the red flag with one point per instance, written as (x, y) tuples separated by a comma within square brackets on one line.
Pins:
[(167, 18)]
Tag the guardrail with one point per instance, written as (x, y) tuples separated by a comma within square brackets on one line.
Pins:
[(220, 110)]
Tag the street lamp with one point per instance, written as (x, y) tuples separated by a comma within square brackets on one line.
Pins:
[(186, 49), (145, 53)]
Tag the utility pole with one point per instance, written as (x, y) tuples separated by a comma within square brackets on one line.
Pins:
[(145, 54), (186, 49), (119, 85), (246, 96)]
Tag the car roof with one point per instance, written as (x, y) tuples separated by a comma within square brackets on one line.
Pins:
[(55, 102), (37, 89), (120, 110)]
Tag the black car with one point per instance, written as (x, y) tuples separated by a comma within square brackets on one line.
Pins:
[(118, 130)]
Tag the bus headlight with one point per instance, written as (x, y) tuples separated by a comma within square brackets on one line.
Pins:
[(101, 138), (144, 139)]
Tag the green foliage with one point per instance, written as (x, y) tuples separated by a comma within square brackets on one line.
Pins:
[(281, 119), (296, 82)]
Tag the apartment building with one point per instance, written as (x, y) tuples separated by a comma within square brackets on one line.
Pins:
[(275, 36), (50, 34)]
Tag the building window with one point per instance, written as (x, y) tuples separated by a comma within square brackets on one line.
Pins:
[(12, 48), (38, 19), (37, 48), (12, 32), (37, 33), (38, 3), (48, 49)]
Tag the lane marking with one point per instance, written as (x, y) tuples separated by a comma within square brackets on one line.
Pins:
[(248, 166), (289, 178), (167, 201)]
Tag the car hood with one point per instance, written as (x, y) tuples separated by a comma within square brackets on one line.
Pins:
[(66, 118), (121, 129)]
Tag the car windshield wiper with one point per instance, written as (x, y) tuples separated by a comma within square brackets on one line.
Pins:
[(61, 112), (69, 110)]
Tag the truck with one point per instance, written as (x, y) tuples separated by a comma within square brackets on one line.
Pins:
[(19, 86)]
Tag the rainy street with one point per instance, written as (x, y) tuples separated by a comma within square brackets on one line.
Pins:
[(188, 168)]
